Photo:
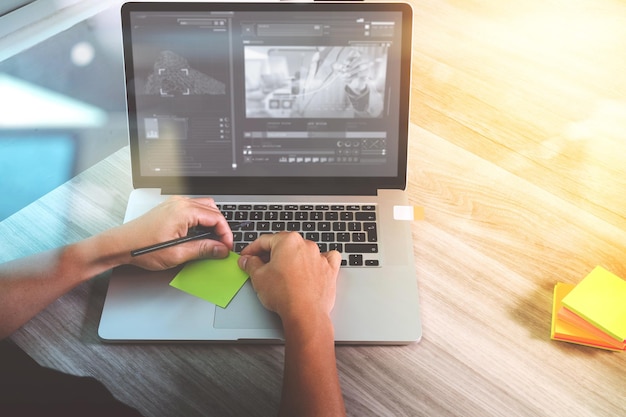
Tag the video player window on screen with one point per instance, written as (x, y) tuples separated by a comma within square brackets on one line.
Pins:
[(265, 94)]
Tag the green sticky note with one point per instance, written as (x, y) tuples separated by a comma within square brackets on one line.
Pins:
[(214, 280)]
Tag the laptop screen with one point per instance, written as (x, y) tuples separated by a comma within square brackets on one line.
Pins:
[(234, 93)]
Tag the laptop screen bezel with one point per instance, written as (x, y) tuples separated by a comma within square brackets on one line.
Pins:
[(272, 185)]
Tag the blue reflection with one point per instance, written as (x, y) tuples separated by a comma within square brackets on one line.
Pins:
[(32, 166), (63, 108)]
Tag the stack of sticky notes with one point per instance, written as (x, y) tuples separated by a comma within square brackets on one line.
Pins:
[(592, 313)]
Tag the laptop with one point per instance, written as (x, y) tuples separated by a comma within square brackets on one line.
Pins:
[(292, 116)]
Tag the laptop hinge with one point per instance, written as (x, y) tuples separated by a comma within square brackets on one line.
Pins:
[(282, 190)]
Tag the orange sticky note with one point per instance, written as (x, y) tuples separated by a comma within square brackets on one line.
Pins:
[(570, 317), (568, 331), (600, 299)]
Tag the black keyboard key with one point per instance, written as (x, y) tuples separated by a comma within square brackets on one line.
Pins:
[(322, 207), (307, 207), (256, 215), (271, 215), (302, 215), (370, 229), (247, 226), (237, 236), (278, 226), (293, 226), (339, 226), (314, 236), (276, 206), (328, 237), (336, 246), (355, 260), (250, 236), (361, 248), (241, 215), (244, 207), (343, 237), (358, 237), (262, 226), (228, 215), (323, 247), (286, 215), (229, 207), (346, 216), (371, 262), (239, 246), (354, 226), (337, 207), (331, 216), (323, 226), (316, 215), (368, 207), (365, 216), (308, 226), (260, 207)]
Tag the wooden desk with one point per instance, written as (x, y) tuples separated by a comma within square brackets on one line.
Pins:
[(518, 143)]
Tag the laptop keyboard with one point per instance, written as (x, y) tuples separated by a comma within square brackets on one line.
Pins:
[(348, 228)]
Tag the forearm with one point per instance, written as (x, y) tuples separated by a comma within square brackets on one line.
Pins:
[(311, 383), (29, 285)]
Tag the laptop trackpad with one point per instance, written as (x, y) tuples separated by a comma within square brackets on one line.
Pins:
[(245, 311)]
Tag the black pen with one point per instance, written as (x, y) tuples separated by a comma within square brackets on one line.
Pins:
[(198, 232)]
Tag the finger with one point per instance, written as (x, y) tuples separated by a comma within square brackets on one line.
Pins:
[(260, 246), (206, 201), (211, 249), (222, 229), (250, 264), (206, 215), (333, 257)]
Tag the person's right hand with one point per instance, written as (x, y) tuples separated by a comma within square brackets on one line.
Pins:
[(290, 275)]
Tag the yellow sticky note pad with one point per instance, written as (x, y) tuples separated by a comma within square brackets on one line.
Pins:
[(213, 280), (600, 298), (577, 331)]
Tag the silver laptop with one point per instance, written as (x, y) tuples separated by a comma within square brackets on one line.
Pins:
[(293, 116)]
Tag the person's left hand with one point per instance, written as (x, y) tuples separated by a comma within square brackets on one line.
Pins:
[(171, 220)]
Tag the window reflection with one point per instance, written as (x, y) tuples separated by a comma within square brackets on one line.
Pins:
[(62, 108)]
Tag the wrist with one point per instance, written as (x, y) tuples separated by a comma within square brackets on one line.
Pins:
[(98, 254), (310, 326)]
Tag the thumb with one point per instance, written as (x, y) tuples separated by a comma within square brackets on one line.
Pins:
[(211, 249)]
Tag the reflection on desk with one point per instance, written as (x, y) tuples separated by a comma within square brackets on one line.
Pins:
[(517, 148)]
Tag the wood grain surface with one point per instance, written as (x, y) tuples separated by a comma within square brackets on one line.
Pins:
[(517, 154)]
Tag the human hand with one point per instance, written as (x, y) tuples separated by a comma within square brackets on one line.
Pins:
[(290, 275), (171, 220)]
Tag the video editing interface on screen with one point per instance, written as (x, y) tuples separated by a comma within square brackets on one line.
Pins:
[(267, 93)]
